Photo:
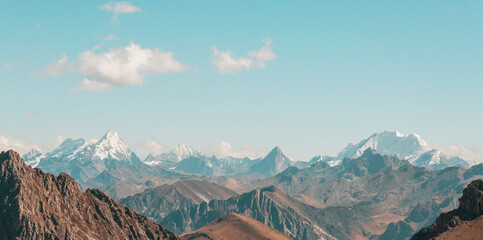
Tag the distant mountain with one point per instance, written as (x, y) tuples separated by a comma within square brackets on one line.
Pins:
[(68, 149), (156, 203), (319, 174), (84, 160), (171, 158), (33, 157), (371, 180), (235, 226), (110, 146), (272, 164), (195, 162), (38, 205), (213, 166), (435, 159), (409, 147), (465, 222), (378, 182), (187, 159)]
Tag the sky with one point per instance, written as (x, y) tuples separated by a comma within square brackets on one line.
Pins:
[(241, 76)]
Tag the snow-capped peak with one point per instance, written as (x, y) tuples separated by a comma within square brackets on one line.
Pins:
[(68, 148), (33, 157), (408, 147), (183, 151), (111, 146)]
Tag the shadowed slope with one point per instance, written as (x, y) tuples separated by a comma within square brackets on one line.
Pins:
[(38, 205), (157, 202)]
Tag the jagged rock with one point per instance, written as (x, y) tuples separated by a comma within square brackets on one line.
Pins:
[(38, 205), (470, 208)]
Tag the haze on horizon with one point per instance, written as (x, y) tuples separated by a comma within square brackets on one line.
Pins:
[(309, 76)]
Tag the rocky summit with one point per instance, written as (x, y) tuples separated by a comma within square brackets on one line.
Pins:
[(38, 205)]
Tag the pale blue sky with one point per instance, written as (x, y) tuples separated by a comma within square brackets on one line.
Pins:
[(342, 71)]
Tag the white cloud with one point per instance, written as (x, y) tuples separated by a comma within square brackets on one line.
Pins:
[(117, 67), (264, 54), (19, 146), (55, 69), (225, 149), (119, 8), (89, 85), (126, 65), (31, 114), (152, 146), (226, 63), (469, 153), (110, 37)]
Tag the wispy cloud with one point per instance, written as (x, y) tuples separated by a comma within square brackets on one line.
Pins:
[(226, 63), (110, 37), (19, 146), (54, 69), (226, 149), (152, 146), (118, 8), (11, 64), (94, 86)]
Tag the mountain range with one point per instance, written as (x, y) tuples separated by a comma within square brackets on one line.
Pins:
[(38, 205), (94, 156), (372, 196), (388, 186)]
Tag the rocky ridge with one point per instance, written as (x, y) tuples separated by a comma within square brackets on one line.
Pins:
[(38, 205)]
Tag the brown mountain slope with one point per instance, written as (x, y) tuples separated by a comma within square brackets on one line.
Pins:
[(157, 202), (38, 205), (235, 226), (465, 222)]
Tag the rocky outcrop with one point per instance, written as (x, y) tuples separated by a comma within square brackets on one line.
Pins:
[(38, 205), (470, 208)]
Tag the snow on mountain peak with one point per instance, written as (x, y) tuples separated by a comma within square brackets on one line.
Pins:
[(183, 151), (408, 147), (111, 146), (68, 148), (33, 157)]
